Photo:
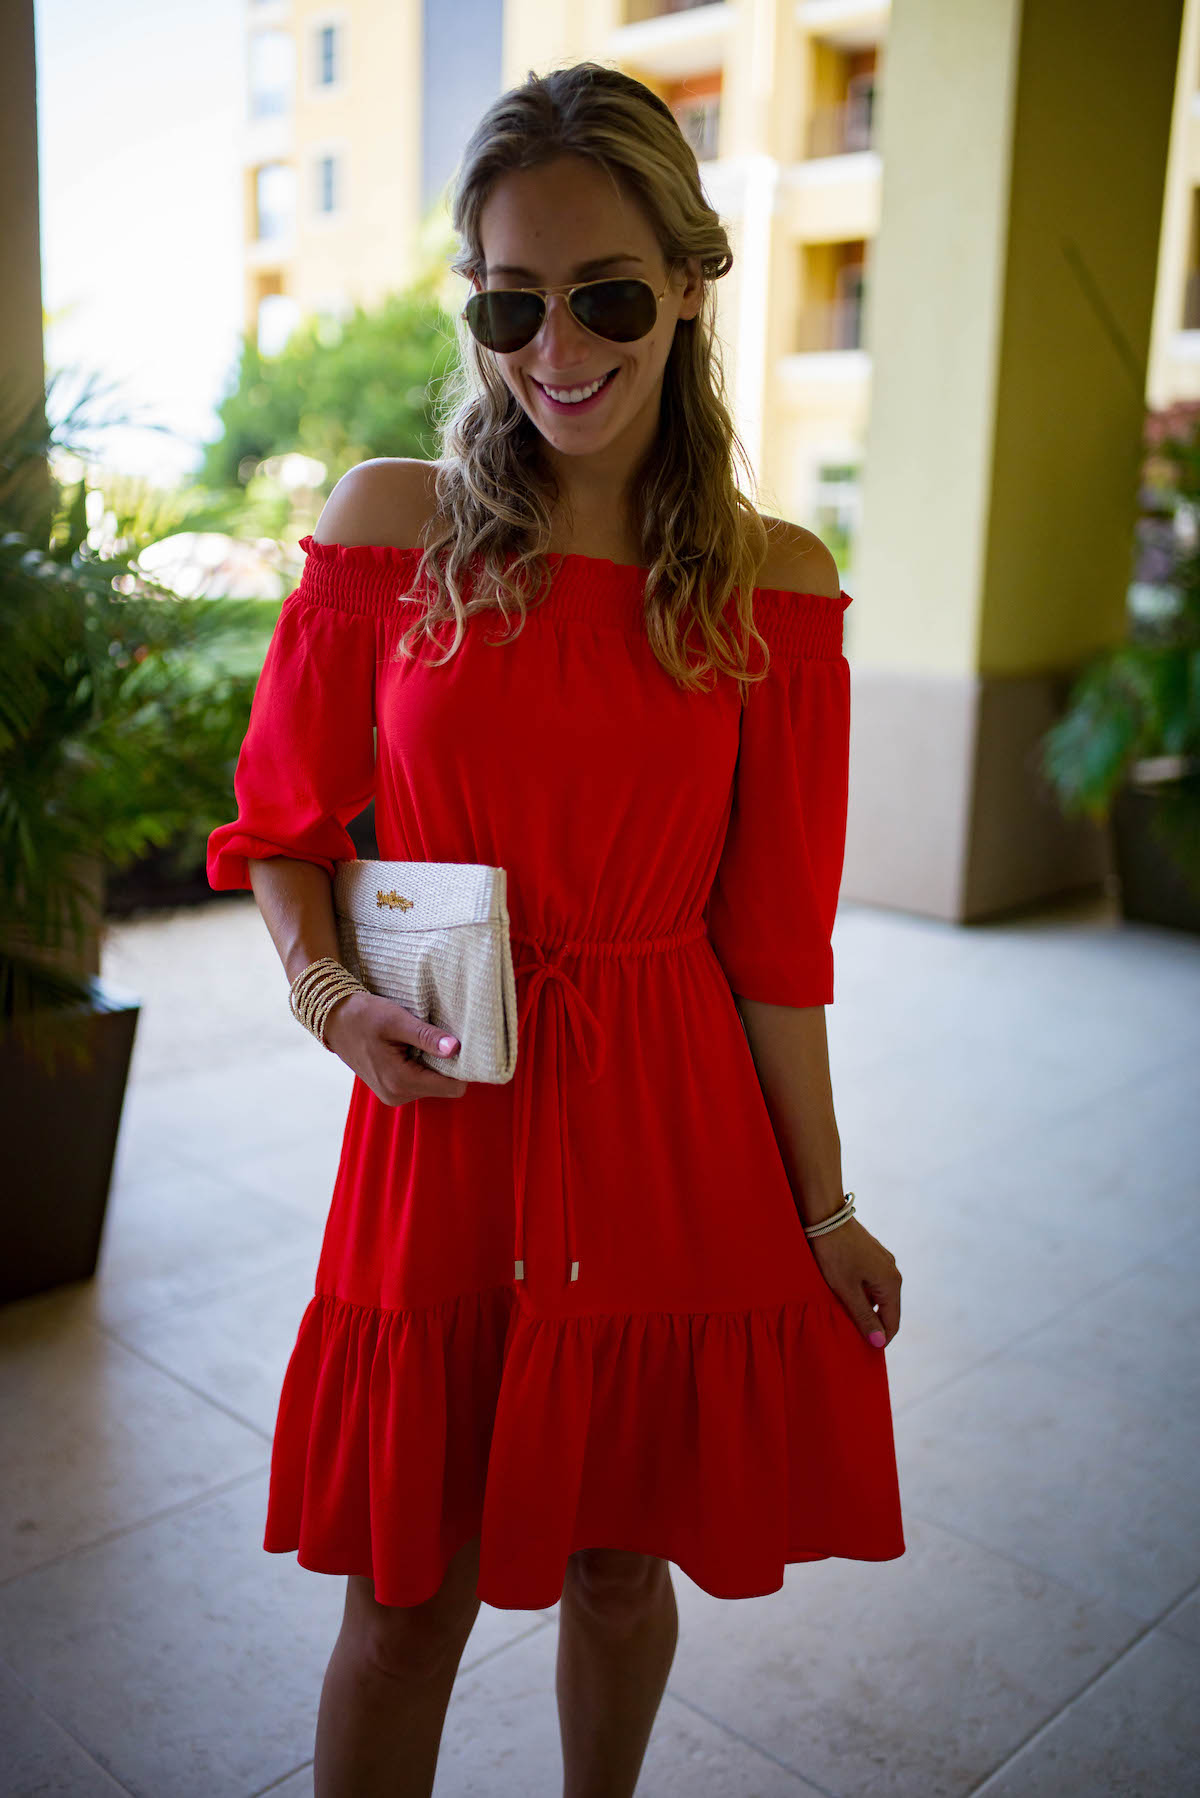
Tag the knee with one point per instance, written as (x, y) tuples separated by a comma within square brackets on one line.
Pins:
[(614, 1584), (410, 1641)]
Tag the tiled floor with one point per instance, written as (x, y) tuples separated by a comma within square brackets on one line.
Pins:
[(1020, 1117)]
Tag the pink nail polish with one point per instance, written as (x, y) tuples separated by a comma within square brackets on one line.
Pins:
[(877, 1338)]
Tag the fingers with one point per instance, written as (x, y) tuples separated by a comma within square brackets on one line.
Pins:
[(884, 1320), (865, 1278), (403, 1026), (400, 1029)]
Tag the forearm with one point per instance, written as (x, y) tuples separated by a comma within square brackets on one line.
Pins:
[(296, 901), (791, 1057)]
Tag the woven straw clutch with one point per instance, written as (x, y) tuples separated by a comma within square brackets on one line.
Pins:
[(435, 937)]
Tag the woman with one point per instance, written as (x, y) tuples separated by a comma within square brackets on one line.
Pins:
[(549, 1383)]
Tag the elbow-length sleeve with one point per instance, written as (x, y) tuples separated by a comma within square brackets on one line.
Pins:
[(774, 896), (306, 767)]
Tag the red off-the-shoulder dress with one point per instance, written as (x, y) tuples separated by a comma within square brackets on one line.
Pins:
[(579, 1309)]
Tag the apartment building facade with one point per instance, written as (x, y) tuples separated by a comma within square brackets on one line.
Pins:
[(357, 114)]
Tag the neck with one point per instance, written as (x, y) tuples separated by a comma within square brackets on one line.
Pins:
[(601, 489)]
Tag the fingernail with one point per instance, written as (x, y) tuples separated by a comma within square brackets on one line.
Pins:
[(877, 1338), (447, 1044)]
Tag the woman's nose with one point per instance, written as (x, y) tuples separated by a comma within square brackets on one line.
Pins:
[(562, 338)]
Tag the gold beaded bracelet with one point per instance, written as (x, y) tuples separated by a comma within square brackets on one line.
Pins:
[(841, 1216), (316, 990)]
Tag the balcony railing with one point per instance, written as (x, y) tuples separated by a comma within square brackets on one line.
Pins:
[(830, 325), (839, 130)]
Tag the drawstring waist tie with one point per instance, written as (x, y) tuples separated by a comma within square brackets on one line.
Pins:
[(538, 971)]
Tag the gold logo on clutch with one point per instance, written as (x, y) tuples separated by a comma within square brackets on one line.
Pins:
[(394, 899)]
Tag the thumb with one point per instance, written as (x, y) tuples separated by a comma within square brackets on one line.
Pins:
[(872, 1327), (438, 1041), (418, 1033)]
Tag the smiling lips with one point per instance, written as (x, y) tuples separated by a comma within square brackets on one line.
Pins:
[(567, 396)]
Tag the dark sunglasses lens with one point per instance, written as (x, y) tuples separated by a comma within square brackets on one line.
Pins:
[(622, 311), (504, 321)]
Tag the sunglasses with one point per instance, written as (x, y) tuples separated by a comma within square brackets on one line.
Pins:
[(505, 319)]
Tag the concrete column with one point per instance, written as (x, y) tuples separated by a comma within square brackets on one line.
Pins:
[(22, 367), (1024, 153)]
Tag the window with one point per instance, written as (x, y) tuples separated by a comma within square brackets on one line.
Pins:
[(275, 200), (271, 67), (695, 102), (700, 122), (848, 307), (328, 60), (833, 281), (860, 106), (836, 497), (328, 184), (278, 315)]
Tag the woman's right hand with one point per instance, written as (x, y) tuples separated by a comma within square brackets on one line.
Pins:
[(372, 1035)]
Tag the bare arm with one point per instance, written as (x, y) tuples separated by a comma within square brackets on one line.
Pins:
[(296, 901), (791, 1056)]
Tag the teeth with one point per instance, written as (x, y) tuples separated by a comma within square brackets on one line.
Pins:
[(571, 395)]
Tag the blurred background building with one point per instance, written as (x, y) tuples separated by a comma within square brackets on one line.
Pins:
[(357, 114), (966, 252)]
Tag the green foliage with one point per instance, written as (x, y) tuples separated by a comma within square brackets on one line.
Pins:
[(121, 709), (340, 391), (1141, 699)]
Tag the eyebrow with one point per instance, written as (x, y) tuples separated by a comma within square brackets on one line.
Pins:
[(583, 268)]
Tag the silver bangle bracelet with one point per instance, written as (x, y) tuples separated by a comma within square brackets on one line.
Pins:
[(839, 1217)]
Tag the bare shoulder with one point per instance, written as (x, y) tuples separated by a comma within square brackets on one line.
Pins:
[(387, 500), (797, 561)]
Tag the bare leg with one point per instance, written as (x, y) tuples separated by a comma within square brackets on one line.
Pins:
[(388, 1685), (618, 1627)]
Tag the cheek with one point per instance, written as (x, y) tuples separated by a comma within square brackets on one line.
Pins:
[(512, 378)]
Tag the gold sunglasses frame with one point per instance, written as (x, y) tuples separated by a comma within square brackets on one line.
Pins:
[(547, 293)]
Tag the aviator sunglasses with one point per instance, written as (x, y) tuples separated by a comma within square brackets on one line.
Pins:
[(505, 319)]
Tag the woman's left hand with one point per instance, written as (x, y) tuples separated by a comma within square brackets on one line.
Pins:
[(863, 1274)]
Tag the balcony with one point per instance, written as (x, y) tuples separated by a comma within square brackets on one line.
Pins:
[(830, 325), (848, 24), (688, 40), (842, 129)]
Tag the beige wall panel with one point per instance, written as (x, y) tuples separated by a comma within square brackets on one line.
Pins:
[(375, 122)]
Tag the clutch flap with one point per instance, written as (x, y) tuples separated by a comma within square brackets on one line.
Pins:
[(399, 895)]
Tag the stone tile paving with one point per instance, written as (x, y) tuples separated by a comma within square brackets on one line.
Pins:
[(1018, 1110)]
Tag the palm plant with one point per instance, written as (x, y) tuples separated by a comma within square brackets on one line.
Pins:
[(1133, 714), (120, 716)]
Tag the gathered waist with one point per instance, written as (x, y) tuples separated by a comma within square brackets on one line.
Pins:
[(610, 946)]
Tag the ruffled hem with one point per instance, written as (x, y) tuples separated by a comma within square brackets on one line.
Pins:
[(732, 1443)]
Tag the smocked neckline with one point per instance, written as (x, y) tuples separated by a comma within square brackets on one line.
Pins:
[(389, 555)]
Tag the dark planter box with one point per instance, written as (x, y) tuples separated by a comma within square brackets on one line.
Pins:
[(1153, 891), (150, 884), (60, 1138)]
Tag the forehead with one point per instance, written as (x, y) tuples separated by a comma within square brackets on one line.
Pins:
[(561, 220)]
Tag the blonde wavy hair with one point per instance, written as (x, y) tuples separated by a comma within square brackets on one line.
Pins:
[(701, 539)]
